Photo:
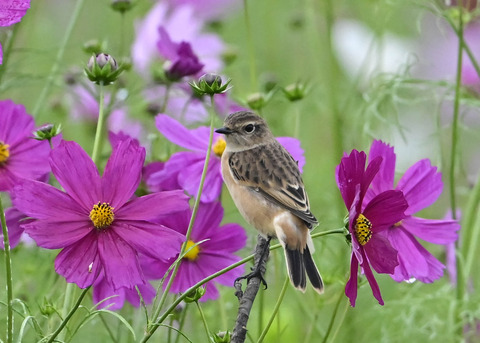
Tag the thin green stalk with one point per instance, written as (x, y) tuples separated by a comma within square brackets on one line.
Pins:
[(453, 160), (7, 50), (69, 290), (69, 315), (181, 322), (332, 319), (251, 49), (275, 310), (56, 65), (100, 126), (340, 321), (172, 307), (204, 320), (165, 98), (8, 275), (192, 219)]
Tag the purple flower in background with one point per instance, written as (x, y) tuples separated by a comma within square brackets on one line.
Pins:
[(11, 12), (95, 222), (208, 257), (186, 166), (207, 46), (21, 156), (368, 221), (102, 290), (421, 185), (182, 60), (15, 219)]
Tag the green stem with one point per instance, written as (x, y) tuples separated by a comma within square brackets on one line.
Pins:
[(275, 310), (67, 303), (453, 157), (7, 51), (251, 50), (181, 322), (165, 98), (192, 218), (56, 65), (332, 319), (100, 126), (70, 314), (207, 331), (8, 272), (172, 307)]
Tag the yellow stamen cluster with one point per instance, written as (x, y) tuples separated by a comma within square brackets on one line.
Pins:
[(4, 152), (363, 229), (193, 251), (102, 215), (219, 147)]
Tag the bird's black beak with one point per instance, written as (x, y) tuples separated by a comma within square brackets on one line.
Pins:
[(224, 130)]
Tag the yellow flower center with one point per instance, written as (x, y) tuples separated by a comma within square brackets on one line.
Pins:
[(193, 251), (219, 147), (102, 215), (363, 229), (4, 152)]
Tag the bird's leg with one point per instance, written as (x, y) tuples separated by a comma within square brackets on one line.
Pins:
[(258, 270)]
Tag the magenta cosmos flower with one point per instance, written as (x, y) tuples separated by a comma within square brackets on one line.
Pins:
[(187, 166), (207, 46), (368, 221), (182, 61), (207, 258), (11, 12), (15, 219), (421, 185), (95, 222), (21, 156)]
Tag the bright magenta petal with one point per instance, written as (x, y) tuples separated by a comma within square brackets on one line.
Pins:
[(151, 206), (351, 287), (422, 185), (122, 173), (381, 255), (175, 132), (77, 174), (80, 263), (119, 260), (432, 230), (42, 201), (385, 210), (371, 280), (56, 235), (12, 11), (386, 175)]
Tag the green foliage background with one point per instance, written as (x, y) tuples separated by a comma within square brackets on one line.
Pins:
[(290, 41)]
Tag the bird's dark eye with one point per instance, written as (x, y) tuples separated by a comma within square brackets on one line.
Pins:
[(249, 128)]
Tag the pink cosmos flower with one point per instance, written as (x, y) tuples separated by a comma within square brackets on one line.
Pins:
[(368, 221), (421, 185), (21, 156), (95, 222), (11, 12), (186, 166), (207, 46), (207, 258)]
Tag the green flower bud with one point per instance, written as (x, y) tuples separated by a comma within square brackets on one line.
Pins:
[(47, 308), (209, 84), (122, 6), (195, 295), (229, 55), (295, 91), (222, 337), (93, 46), (47, 132), (103, 69), (257, 101)]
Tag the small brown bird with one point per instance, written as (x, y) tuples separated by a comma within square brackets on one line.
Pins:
[(267, 188)]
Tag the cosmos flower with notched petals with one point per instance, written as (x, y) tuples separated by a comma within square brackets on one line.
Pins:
[(368, 221), (215, 251), (421, 185), (95, 222)]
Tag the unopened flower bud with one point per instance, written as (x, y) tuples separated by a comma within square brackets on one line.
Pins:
[(257, 101), (47, 132), (122, 5), (93, 46), (47, 308), (229, 55), (195, 295), (210, 84), (103, 69), (295, 91), (222, 337)]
